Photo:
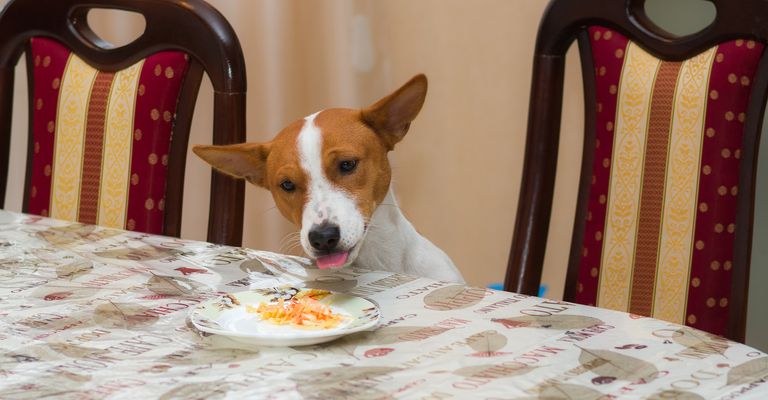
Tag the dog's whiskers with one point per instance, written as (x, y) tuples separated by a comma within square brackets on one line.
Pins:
[(291, 236), (290, 242)]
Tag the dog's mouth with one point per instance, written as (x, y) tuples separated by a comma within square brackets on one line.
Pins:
[(335, 260), (339, 259)]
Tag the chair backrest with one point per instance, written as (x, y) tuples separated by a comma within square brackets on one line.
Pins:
[(109, 126), (663, 223)]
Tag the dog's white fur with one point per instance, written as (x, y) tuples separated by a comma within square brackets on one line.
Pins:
[(393, 241)]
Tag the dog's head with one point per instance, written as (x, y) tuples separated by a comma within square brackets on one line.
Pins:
[(329, 171)]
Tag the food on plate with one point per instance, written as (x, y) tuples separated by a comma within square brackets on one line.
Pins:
[(317, 294), (302, 311)]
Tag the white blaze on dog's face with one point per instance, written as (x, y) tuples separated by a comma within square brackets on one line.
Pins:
[(329, 171)]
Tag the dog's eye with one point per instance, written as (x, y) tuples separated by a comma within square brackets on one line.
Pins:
[(287, 185), (347, 166)]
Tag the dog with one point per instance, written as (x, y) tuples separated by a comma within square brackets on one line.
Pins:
[(329, 175)]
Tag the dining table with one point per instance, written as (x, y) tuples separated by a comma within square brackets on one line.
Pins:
[(89, 312)]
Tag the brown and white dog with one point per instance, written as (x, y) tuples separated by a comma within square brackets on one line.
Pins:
[(329, 175)]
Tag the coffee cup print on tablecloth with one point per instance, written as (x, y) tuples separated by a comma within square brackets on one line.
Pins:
[(123, 316), (455, 297), (487, 344)]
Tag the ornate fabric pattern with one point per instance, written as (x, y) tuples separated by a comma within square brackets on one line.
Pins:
[(89, 126), (667, 188), (70, 128), (118, 138), (651, 197), (97, 110), (608, 65), (626, 177), (682, 183)]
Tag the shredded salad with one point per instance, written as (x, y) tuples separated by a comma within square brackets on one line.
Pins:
[(304, 311)]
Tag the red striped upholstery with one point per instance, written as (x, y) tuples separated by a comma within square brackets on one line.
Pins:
[(659, 236), (101, 139)]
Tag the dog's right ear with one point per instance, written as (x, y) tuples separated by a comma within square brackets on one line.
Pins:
[(245, 160), (391, 116)]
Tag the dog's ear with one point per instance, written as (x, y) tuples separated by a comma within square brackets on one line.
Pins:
[(391, 116), (245, 160)]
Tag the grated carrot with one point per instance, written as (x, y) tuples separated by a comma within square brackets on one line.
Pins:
[(304, 312)]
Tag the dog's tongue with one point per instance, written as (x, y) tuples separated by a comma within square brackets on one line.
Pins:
[(332, 260)]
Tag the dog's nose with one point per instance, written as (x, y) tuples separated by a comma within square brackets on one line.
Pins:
[(324, 237)]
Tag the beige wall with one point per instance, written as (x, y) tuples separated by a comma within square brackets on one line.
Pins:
[(457, 172)]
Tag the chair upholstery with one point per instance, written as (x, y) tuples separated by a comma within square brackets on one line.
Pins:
[(109, 126), (663, 222), (660, 224), (101, 139)]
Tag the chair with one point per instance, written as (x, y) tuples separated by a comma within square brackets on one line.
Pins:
[(663, 223), (109, 126)]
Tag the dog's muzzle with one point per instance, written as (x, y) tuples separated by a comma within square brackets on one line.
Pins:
[(324, 237)]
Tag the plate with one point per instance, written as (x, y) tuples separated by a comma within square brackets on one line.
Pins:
[(227, 316)]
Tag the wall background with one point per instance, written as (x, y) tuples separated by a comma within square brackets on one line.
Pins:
[(457, 173)]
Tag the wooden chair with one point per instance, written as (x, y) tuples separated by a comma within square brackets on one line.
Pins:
[(109, 127), (663, 223)]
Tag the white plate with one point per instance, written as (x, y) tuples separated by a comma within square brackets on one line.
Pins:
[(227, 316)]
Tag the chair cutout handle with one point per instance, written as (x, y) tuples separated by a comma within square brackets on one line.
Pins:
[(81, 20), (667, 24)]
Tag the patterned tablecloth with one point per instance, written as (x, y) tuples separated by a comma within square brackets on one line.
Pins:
[(89, 313)]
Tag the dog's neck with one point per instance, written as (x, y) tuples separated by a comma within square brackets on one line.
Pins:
[(393, 244), (389, 233)]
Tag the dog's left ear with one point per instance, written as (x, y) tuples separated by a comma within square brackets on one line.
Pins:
[(391, 116), (244, 160)]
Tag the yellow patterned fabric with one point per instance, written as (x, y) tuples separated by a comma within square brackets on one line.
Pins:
[(116, 165), (70, 131), (75, 103), (682, 188), (626, 177)]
